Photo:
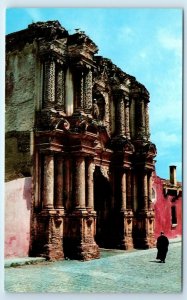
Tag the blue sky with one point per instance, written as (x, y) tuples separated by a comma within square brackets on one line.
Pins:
[(145, 43)]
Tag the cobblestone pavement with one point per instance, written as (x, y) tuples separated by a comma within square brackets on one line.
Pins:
[(116, 271)]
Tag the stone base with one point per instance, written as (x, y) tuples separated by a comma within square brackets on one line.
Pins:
[(47, 235), (79, 232), (127, 244), (144, 230), (126, 241)]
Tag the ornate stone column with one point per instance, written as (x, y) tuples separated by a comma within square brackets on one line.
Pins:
[(80, 183), (120, 114), (127, 117), (147, 131), (67, 183), (126, 216), (129, 190), (88, 91), (135, 192), (145, 191), (90, 185), (60, 88), (59, 183), (48, 182), (140, 118), (81, 90), (149, 190), (49, 84), (123, 192)]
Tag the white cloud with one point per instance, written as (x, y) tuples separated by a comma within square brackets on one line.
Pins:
[(35, 14), (125, 33), (166, 140), (170, 42)]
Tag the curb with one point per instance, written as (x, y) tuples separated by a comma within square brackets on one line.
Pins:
[(16, 262)]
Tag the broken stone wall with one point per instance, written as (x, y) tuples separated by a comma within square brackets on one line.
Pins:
[(19, 116)]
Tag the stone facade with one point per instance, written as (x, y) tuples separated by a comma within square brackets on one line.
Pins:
[(80, 128)]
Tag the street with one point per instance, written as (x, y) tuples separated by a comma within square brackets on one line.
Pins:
[(117, 271)]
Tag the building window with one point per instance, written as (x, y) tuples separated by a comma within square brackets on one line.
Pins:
[(153, 196), (173, 216)]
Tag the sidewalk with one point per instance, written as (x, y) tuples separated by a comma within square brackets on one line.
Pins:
[(20, 261)]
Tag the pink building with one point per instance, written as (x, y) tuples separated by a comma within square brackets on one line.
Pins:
[(167, 202)]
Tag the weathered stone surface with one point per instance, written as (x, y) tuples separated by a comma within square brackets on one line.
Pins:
[(84, 124)]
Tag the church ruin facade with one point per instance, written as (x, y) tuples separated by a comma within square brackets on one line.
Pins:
[(79, 126)]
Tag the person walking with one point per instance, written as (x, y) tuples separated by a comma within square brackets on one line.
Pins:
[(162, 247)]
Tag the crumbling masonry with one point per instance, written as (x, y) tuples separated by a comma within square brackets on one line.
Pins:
[(79, 126)]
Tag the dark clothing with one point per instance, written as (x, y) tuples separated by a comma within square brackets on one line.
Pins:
[(162, 246)]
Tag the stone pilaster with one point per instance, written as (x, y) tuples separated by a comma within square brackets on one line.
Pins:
[(59, 183), (135, 192), (123, 192), (82, 90), (79, 187), (37, 182), (60, 88), (126, 217), (149, 190), (67, 184), (129, 190), (49, 84), (48, 182), (145, 191), (147, 130), (107, 111), (90, 185), (140, 119), (88, 91), (127, 117), (120, 115)]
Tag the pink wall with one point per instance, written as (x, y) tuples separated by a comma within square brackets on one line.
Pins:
[(17, 217), (162, 207)]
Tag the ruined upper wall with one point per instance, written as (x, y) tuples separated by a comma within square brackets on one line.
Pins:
[(47, 71)]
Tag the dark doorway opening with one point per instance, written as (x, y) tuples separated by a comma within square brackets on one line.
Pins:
[(102, 205)]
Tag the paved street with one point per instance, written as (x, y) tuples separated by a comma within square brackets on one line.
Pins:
[(117, 271)]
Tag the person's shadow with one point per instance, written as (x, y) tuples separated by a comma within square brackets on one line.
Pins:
[(155, 261)]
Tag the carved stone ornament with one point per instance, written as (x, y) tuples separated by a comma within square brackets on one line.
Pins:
[(121, 143), (50, 120)]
